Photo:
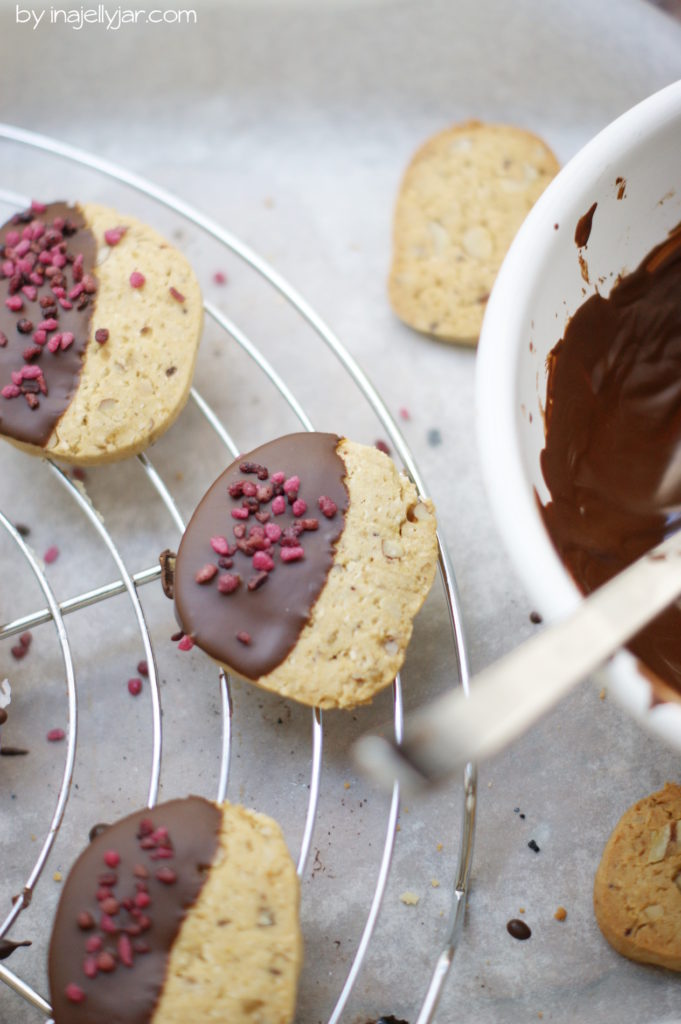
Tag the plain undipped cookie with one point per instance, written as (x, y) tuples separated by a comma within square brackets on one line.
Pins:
[(637, 890), (186, 912), (106, 369), (463, 197), (328, 626)]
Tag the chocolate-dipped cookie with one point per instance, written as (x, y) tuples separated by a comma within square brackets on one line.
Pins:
[(187, 912), (100, 320), (303, 567)]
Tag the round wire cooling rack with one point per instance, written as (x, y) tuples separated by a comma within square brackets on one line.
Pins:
[(129, 582)]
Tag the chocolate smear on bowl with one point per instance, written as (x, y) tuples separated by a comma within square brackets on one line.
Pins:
[(584, 225), (612, 456)]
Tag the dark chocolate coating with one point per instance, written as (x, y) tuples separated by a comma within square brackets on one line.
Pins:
[(61, 370), (612, 460), (129, 995), (275, 614)]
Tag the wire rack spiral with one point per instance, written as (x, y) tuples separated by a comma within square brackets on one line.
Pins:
[(128, 583)]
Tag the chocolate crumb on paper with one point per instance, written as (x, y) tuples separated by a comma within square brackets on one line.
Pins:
[(388, 1020), (517, 929)]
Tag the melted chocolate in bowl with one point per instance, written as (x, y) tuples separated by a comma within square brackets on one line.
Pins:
[(612, 457)]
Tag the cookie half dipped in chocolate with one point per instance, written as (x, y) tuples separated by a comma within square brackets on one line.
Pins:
[(303, 567), (100, 322), (186, 912)]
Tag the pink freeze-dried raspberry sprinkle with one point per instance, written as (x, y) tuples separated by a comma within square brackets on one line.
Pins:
[(262, 561), (228, 583), (74, 993), (113, 235), (292, 554), (220, 545)]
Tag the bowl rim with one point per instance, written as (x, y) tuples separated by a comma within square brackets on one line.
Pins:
[(513, 505)]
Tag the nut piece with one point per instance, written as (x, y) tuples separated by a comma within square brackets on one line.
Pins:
[(477, 242), (439, 236), (391, 549), (419, 511), (659, 843)]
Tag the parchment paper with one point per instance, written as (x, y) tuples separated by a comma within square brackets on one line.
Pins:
[(291, 124)]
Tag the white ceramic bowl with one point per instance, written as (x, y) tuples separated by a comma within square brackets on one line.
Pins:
[(539, 287)]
